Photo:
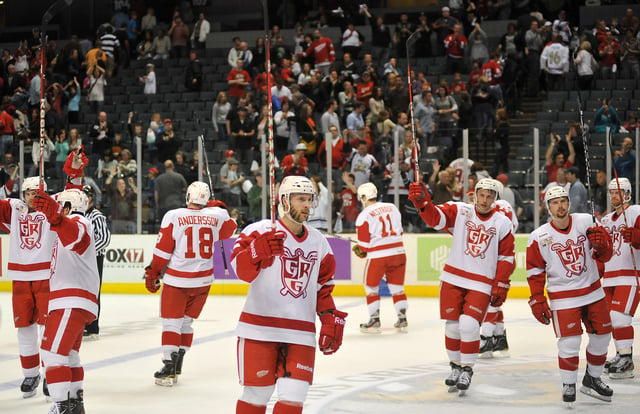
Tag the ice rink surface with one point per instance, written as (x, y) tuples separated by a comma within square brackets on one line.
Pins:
[(385, 373)]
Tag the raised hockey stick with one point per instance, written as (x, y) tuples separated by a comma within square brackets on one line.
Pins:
[(272, 166), (205, 159), (587, 166), (416, 159)]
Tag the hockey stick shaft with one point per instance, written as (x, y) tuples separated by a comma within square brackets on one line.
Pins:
[(43, 41), (409, 44), (587, 166), (272, 168)]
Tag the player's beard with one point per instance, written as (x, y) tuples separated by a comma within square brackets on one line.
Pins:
[(299, 216)]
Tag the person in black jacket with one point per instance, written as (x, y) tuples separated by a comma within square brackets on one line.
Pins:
[(193, 76)]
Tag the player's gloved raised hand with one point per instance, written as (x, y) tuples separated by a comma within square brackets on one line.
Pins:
[(540, 309), (600, 242), (631, 235), (332, 330), (499, 293), (419, 194), (217, 203), (50, 207), (151, 280), (265, 247), (75, 163), (358, 252)]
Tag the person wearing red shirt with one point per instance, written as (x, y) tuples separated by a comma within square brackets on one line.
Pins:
[(337, 146), (609, 51), (238, 79), (349, 201), (455, 45), (7, 130), (260, 82), (458, 84), (474, 76), (323, 52), (553, 162), (364, 90), (296, 163)]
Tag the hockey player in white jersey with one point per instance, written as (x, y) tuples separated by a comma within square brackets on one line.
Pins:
[(184, 252), (620, 279), (379, 231), (73, 301), (554, 62), (564, 255), (291, 273), (478, 275)]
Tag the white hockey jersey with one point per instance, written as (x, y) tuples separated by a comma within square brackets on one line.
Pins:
[(565, 258), (74, 270), (285, 296), (504, 207), (186, 243), (555, 57), (379, 229), (482, 247), (30, 240), (619, 269)]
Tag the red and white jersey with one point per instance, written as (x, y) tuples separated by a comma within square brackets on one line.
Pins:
[(455, 45), (30, 240), (555, 57), (565, 258), (74, 270), (483, 246), (284, 296), (361, 166), (458, 165), (493, 72), (322, 50), (398, 181), (186, 243), (619, 269), (504, 207), (379, 229)]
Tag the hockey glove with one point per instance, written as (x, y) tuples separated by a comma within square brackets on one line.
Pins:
[(631, 235), (499, 293), (217, 203), (151, 280), (358, 252), (540, 309), (419, 195), (600, 242), (76, 161), (50, 207), (331, 332), (264, 247)]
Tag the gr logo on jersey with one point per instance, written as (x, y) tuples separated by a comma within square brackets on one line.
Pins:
[(296, 272), (571, 255), (31, 231), (616, 237), (478, 239), (131, 255)]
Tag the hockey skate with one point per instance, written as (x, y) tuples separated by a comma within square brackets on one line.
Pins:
[(401, 324), (373, 326), (622, 368), (569, 394), (166, 377), (487, 344), (501, 346), (594, 387), (29, 386), (181, 353), (45, 390), (77, 404), (61, 407), (612, 361), (452, 379), (464, 380)]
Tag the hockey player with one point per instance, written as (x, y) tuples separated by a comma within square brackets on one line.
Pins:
[(291, 274), (73, 300), (554, 61), (379, 230), (476, 276), (184, 251), (620, 279), (563, 255), (29, 267), (101, 238)]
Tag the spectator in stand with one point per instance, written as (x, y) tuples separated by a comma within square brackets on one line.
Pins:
[(443, 26), (296, 163), (349, 202), (337, 146), (168, 142), (242, 134), (12, 80), (362, 164), (161, 46), (355, 120), (625, 160), (127, 166), (62, 152), (511, 195), (577, 192), (97, 82), (149, 20), (555, 159), (398, 96), (501, 137), (234, 53), (238, 79), (606, 117), (101, 134), (478, 45), (474, 75), (423, 43), (554, 62), (483, 108), (170, 188), (133, 33), (630, 60), (7, 131), (351, 40), (609, 52), (380, 36), (365, 89), (533, 48), (254, 199), (632, 124), (279, 50), (260, 83), (219, 113), (193, 74), (110, 46), (442, 184), (600, 193), (330, 117), (282, 128), (122, 200), (183, 167), (447, 113), (323, 52), (232, 190), (280, 90), (179, 33), (200, 32), (404, 28), (586, 65), (149, 80)]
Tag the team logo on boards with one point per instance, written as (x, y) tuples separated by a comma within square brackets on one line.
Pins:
[(31, 231), (571, 255), (478, 239), (296, 272)]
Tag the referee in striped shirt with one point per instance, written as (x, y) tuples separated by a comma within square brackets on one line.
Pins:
[(102, 237)]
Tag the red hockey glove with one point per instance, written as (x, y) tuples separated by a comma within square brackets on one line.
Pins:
[(540, 309), (151, 280), (358, 252), (419, 195), (267, 245), (499, 293), (217, 203), (631, 235), (50, 207), (76, 161), (331, 331), (600, 242)]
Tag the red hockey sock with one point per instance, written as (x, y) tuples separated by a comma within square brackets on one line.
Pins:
[(243, 407), (282, 408)]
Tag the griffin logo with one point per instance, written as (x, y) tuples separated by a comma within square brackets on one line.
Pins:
[(571, 255), (478, 239), (31, 231), (296, 272)]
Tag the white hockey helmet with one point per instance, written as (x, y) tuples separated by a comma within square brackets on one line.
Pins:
[(32, 183), (625, 187), (295, 184), (75, 199), (490, 184), (198, 193), (555, 192), (367, 190)]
